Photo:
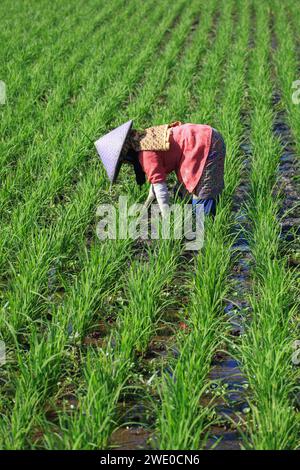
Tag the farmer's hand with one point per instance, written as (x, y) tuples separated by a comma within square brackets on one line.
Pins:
[(160, 192), (150, 198)]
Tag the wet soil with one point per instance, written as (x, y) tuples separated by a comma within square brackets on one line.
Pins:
[(131, 438)]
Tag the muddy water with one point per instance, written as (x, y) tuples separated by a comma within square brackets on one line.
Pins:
[(232, 407), (134, 409), (131, 438), (288, 170)]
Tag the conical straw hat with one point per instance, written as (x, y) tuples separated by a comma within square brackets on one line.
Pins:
[(109, 148)]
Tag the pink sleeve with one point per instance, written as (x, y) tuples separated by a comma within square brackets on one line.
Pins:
[(152, 165)]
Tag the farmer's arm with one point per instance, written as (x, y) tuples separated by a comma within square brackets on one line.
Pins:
[(156, 174)]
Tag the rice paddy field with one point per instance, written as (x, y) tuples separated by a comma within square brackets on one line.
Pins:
[(133, 344)]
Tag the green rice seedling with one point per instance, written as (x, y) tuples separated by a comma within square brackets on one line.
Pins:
[(49, 228), (29, 282), (27, 86), (89, 426), (293, 14), (173, 105), (68, 79), (89, 187), (175, 99), (58, 175), (143, 289), (145, 284), (37, 41), (37, 159), (267, 358), (29, 29), (211, 75), (102, 265), (116, 360), (40, 367), (59, 101), (266, 350), (134, 320), (179, 94), (183, 422)]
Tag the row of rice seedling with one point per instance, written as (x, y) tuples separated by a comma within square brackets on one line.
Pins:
[(62, 170), (183, 421), (292, 14), (286, 61), (266, 349), (179, 95), (219, 43), (142, 274), (44, 333), (107, 370), (37, 40), (36, 161), (45, 250), (176, 103), (95, 173), (25, 86), (28, 277), (85, 186), (133, 331), (35, 374), (45, 246), (40, 91), (208, 81), (31, 44), (210, 68), (25, 285), (31, 165)]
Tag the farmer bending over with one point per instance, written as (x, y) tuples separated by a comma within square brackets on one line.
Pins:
[(196, 153)]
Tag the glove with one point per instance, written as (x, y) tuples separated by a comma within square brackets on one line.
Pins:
[(160, 192), (150, 198), (162, 196)]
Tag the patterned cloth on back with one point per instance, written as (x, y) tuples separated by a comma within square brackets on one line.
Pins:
[(151, 138)]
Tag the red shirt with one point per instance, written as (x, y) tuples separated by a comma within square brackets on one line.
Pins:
[(189, 148)]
